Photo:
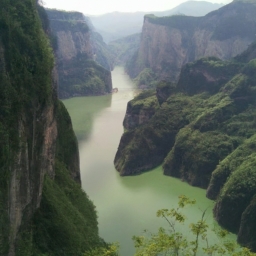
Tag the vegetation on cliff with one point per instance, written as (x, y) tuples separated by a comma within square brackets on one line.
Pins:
[(82, 76), (43, 210), (65, 223), (141, 109), (204, 133), (26, 89), (171, 242), (78, 51), (122, 49)]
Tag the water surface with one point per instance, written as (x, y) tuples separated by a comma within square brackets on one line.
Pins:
[(126, 205)]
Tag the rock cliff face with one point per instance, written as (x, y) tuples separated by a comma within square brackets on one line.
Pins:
[(140, 110), (203, 132), (40, 177), (168, 43), (78, 48)]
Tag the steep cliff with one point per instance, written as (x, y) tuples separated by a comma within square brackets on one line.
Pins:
[(203, 132), (43, 210), (77, 49), (140, 109), (167, 43)]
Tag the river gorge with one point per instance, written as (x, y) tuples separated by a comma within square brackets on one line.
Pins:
[(126, 206)]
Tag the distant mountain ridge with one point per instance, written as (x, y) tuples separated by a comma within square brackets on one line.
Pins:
[(116, 25), (167, 43)]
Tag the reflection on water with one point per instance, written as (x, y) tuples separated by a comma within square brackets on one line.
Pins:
[(126, 205)]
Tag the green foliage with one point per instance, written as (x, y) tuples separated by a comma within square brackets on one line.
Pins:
[(207, 74), (235, 181), (145, 99), (195, 155), (146, 146), (65, 223), (218, 122), (82, 76), (30, 61), (204, 133), (26, 63), (230, 164), (167, 241), (109, 250), (146, 79), (67, 147), (145, 104)]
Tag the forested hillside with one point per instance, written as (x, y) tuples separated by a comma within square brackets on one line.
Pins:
[(43, 210), (202, 130)]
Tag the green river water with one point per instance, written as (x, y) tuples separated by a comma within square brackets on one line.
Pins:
[(126, 206)]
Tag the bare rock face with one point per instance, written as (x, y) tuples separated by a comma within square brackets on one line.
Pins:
[(167, 43), (71, 32), (82, 67), (70, 44)]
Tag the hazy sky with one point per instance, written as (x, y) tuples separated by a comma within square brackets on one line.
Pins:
[(104, 6)]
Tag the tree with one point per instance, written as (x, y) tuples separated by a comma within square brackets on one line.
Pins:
[(107, 250), (169, 242)]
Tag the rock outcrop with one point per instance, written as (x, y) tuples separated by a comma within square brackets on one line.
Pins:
[(167, 43), (140, 110), (82, 67)]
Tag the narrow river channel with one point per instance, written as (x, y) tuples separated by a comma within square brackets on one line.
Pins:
[(126, 206)]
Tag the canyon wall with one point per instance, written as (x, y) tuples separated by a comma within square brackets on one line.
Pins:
[(82, 62), (167, 43)]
